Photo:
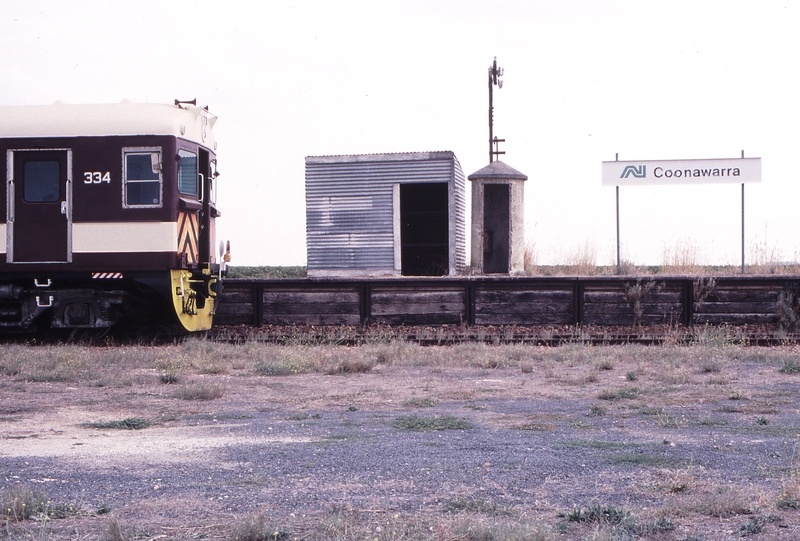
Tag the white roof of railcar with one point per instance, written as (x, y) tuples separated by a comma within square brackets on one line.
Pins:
[(125, 118)]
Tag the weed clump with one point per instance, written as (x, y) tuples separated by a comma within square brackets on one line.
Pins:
[(752, 527), (22, 502), (722, 503), (787, 309), (45, 365), (635, 295), (171, 369), (201, 391), (422, 402), (282, 362), (257, 528), (600, 514), (422, 423), (488, 507), (605, 364), (597, 410), (348, 365), (115, 532), (787, 501), (623, 393), (790, 366)]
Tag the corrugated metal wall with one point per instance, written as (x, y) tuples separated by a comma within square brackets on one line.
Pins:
[(350, 225), (458, 240)]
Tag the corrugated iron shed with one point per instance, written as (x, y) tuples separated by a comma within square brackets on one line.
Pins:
[(353, 211)]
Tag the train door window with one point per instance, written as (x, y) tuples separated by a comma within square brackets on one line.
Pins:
[(142, 178), (187, 172), (42, 182)]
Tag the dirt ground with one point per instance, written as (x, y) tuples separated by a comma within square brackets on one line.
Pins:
[(694, 446)]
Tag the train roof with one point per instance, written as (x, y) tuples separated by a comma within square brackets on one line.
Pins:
[(125, 118)]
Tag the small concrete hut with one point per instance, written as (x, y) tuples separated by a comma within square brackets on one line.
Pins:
[(498, 220)]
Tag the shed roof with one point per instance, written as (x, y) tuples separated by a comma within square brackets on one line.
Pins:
[(385, 157), (497, 170)]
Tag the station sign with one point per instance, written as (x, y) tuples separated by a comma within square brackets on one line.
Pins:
[(653, 172)]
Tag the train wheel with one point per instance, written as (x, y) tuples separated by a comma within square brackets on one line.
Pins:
[(194, 299)]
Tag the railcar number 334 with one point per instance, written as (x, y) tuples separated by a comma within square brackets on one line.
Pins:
[(109, 214)]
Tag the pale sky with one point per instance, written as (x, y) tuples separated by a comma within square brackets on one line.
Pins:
[(583, 80)]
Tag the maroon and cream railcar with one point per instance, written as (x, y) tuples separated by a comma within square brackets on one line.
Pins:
[(109, 212)]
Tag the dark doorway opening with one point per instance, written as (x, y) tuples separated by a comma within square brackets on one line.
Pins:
[(495, 228), (424, 231)]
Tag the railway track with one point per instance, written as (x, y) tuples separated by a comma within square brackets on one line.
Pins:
[(747, 335)]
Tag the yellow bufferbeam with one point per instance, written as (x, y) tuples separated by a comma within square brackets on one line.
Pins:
[(194, 299)]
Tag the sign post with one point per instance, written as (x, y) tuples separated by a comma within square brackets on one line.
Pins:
[(742, 222), (618, 259)]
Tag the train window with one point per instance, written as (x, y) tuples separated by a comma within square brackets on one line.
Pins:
[(41, 182), (187, 172), (142, 175)]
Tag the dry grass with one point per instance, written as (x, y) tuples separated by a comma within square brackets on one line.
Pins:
[(201, 391), (684, 258), (23, 502), (616, 386)]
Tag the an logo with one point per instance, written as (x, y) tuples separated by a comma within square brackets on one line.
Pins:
[(638, 172)]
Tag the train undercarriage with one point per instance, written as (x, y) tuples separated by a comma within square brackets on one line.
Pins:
[(73, 301)]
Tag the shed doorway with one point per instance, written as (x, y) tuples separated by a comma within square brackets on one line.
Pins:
[(495, 228), (424, 231)]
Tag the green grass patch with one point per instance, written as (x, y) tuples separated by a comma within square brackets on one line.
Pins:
[(597, 410), (600, 514), (787, 501), (535, 427), (421, 423), (652, 411), (267, 272), (131, 423), (599, 444), (707, 421), (644, 459), (213, 417), (302, 416), (283, 362), (479, 505), (623, 393)]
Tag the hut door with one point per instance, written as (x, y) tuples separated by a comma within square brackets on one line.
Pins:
[(424, 233), (495, 228), (39, 200)]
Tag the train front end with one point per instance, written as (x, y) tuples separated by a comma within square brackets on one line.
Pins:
[(110, 214)]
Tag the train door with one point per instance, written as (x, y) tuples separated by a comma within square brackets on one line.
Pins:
[(205, 240), (39, 204)]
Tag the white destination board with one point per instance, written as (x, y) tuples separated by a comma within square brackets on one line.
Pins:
[(647, 172)]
